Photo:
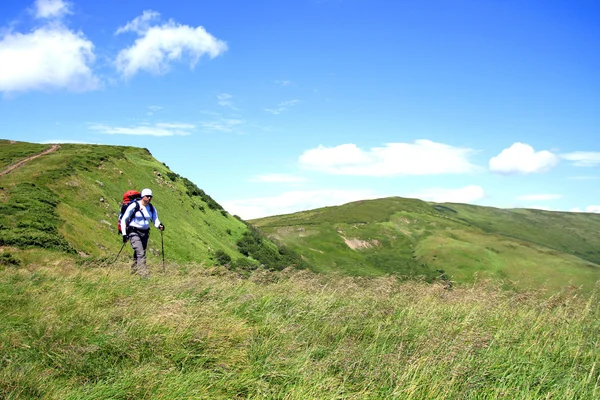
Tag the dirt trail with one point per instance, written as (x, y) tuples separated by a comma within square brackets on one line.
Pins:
[(16, 165)]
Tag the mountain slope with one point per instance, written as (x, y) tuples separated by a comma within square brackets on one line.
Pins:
[(526, 248), (69, 200)]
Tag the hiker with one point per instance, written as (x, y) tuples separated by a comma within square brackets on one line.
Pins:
[(135, 225)]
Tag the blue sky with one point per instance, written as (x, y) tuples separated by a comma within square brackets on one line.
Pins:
[(276, 106)]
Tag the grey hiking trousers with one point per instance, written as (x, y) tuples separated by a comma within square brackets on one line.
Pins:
[(139, 241)]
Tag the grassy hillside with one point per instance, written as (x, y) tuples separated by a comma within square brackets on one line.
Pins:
[(79, 332), (408, 237), (68, 200)]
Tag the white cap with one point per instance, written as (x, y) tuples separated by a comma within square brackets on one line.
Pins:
[(146, 192)]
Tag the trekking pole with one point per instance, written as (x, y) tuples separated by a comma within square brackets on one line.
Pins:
[(162, 240), (119, 253)]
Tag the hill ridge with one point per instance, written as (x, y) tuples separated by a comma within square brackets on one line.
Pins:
[(69, 199), (461, 242)]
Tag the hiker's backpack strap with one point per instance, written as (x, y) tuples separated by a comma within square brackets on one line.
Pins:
[(138, 208)]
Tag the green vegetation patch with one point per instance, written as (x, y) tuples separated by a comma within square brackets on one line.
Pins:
[(28, 219), (276, 256)]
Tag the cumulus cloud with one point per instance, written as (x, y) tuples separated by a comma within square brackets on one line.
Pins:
[(582, 158), (278, 178), (467, 194), (423, 157), (160, 129), (51, 8), (141, 24), (522, 158), (49, 57), (539, 197), (292, 201), (160, 45)]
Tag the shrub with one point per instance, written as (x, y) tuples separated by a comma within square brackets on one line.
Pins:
[(222, 258), (193, 190), (172, 176), (244, 264), (272, 255), (9, 260)]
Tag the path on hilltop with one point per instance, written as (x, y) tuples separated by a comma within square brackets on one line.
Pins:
[(16, 165)]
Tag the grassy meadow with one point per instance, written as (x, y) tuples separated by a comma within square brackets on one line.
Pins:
[(89, 330)]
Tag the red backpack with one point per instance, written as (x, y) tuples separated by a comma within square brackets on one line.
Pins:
[(128, 197)]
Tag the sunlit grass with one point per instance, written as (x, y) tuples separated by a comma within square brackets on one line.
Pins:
[(96, 332)]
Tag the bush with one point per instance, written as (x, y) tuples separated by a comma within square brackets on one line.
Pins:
[(222, 258), (274, 256), (193, 190), (172, 176), (244, 264), (9, 260)]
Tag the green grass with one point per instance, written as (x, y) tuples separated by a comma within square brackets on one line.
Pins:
[(95, 332), (29, 219)]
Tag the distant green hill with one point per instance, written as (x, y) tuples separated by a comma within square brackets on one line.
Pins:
[(68, 200), (408, 237)]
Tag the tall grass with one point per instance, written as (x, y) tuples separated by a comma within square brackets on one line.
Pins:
[(92, 332)]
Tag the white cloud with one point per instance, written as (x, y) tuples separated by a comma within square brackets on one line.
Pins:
[(583, 158), (589, 209), (140, 24), (225, 101), (278, 178), (423, 157), (161, 129), (222, 125), (51, 8), (283, 82), (292, 201), (540, 197), (159, 45), (283, 106), (50, 57), (153, 109), (467, 194), (522, 158)]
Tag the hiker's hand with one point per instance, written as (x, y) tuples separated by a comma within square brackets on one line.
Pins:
[(161, 227), (125, 238)]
